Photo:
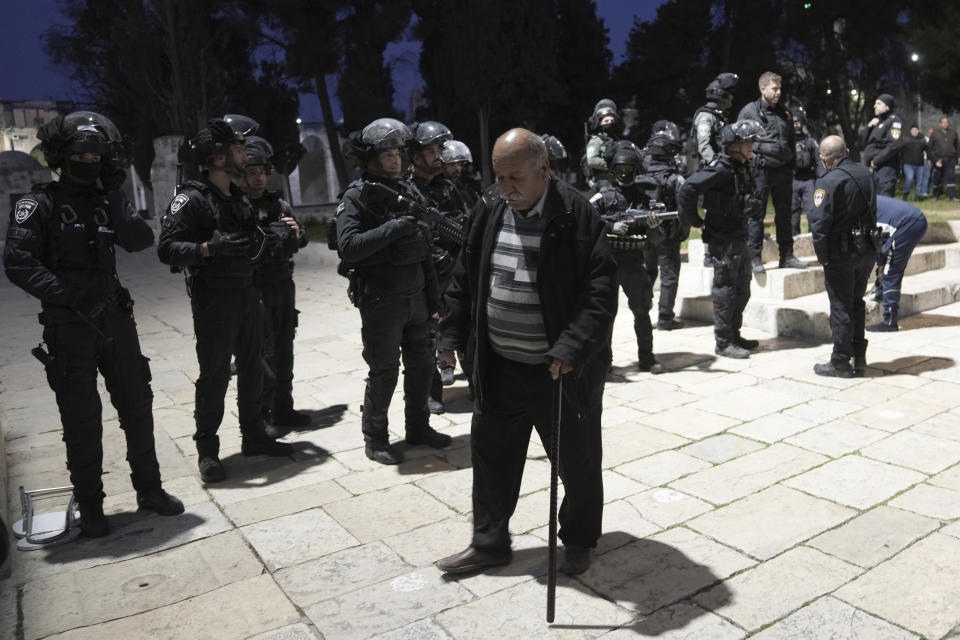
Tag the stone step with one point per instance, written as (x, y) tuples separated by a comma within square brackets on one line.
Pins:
[(809, 315), (787, 284)]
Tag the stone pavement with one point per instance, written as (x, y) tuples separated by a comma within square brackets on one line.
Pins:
[(743, 498)]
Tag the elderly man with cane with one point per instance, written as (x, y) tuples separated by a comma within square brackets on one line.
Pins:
[(537, 286)]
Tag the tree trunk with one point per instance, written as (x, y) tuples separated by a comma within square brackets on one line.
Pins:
[(484, 114), (331, 127)]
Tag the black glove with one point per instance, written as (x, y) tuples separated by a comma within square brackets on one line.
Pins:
[(227, 244), (111, 176), (402, 226), (90, 306)]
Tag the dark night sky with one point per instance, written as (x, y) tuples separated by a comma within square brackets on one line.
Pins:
[(27, 73)]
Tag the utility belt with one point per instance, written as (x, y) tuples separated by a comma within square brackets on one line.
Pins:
[(857, 240), (118, 300), (627, 243), (218, 279)]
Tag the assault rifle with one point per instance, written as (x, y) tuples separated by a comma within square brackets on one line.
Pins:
[(648, 218), (446, 227)]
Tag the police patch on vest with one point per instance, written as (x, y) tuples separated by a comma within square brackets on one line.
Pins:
[(818, 196), (178, 202), (23, 209), (895, 132)]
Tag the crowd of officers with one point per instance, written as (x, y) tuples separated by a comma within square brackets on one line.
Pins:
[(517, 281)]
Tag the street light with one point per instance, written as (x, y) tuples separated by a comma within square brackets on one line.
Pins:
[(915, 57)]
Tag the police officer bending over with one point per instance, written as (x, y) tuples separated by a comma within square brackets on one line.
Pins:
[(61, 248), (844, 229), (394, 283), (729, 198), (277, 290), (210, 229), (902, 225)]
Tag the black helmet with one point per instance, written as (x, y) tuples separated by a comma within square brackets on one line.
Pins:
[(668, 129), (722, 86), (215, 139), (382, 133), (603, 108), (799, 114), (78, 132), (259, 152), (739, 130), (426, 133), (555, 148), (455, 151), (661, 145), (624, 152), (244, 125)]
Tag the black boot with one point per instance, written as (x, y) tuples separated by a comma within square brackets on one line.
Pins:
[(860, 358), (790, 261), (93, 524), (291, 418), (834, 369), (383, 452), (159, 501), (428, 436)]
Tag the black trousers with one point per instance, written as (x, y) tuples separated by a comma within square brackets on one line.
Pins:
[(846, 279), (886, 179), (516, 399), (802, 203), (79, 352), (731, 287), (944, 175), (636, 284), (436, 382), (280, 328), (666, 256), (778, 184), (395, 328), (227, 322)]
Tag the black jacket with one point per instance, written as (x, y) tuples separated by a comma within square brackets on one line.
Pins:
[(276, 263), (576, 279), (943, 144), (913, 149), (60, 245), (884, 142), (808, 159), (729, 196), (775, 147), (845, 197)]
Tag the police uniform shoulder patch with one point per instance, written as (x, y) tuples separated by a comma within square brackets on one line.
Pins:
[(818, 197), (178, 202), (24, 209), (896, 130)]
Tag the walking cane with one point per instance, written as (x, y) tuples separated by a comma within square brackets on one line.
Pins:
[(556, 405)]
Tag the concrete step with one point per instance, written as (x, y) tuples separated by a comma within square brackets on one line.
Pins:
[(788, 284), (809, 315)]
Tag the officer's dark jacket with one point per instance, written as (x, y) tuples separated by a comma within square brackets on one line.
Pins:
[(808, 159), (576, 280), (884, 142), (668, 179), (60, 245), (277, 261), (390, 266), (727, 188), (443, 194), (776, 145), (844, 197), (190, 220), (944, 144), (706, 130), (913, 149)]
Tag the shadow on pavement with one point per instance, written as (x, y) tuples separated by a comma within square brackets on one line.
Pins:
[(424, 459), (925, 320), (322, 418), (257, 471), (910, 365), (457, 400), (639, 573)]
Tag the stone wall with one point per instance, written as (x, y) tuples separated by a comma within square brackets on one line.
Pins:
[(163, 173)]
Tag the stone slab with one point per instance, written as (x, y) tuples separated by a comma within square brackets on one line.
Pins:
[(837, 438), (287, 540), (918, 589), (874, 536), (284, 503), (380, 514), (625, 442), (689, 422), (661, 468), (682, 621), (762, 595), (935, 502), (721, 448), (771, 521), (425, 545), (667, 507), (822, 410), (772, 428), (894, 415), (297, 631), (916, 451), (832, 619), (856, 481), (746, 404)]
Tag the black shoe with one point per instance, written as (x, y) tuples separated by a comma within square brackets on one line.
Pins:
[(159, 501), (435, 406), (93, 524), (834, 370), (651, 365), (383, 453), (291, 418), (263, 446), (272, 431), (472, 559), (732, 351), (211, 469), (790, 261), (576, 560), (883, 327), (859, 366), (446, 376), (746, 343), (757, 266), (669, 324), (430, 437)]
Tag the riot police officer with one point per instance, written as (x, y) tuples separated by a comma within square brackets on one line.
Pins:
[(557, 153), (277, 289), (387, 255), (629, 238), (426, 150), (456, 156), (604, 128), (729, 198), (884, 145), (844, 229), (61, 249), (661, 162), (805, 170), (210, 230), (709, 119)]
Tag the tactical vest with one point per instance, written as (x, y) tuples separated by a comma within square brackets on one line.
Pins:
[(220, 273), (718, 124), (806, 163), (276, 263), (83, 238)]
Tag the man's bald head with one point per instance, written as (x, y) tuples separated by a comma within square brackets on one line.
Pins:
[(832, 148), (522, 168)]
